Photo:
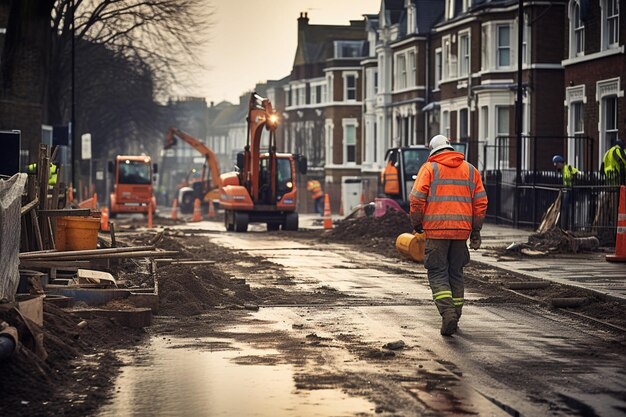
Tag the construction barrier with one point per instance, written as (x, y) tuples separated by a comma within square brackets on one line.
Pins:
[(104, 220), (328, 219), (174, 214), (197, 211), (620, 239)]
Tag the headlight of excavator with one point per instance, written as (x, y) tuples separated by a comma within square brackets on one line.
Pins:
[(289, 184)]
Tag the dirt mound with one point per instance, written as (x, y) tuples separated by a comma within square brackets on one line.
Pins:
[(389, 225), (29, 382), (187, 290)]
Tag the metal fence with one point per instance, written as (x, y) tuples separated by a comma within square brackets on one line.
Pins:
[(590, 204)]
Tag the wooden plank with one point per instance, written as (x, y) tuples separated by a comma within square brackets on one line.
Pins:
[(28, 207), (65, 212), (85, 252), (112, 230), (140, 254), (36, 230)]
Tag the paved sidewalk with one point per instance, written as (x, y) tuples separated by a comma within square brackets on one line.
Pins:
[(585, 270)]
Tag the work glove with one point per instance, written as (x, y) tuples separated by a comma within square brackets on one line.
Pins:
[(475, 240), (418, 228)]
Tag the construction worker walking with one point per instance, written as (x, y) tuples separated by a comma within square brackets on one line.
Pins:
[(317, 195), (569, 173), (449, 204)]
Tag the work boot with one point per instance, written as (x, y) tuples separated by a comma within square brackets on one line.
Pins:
[(449, 323)]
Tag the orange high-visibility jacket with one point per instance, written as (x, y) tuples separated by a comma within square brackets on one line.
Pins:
[(448, 197), (390, 179), (315, 188)]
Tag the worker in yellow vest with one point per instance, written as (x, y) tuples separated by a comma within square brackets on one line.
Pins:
[(569, 173), (317, 195), (614, 164), (52, 176)]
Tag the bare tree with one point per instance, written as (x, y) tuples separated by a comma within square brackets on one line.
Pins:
[(128, 53)]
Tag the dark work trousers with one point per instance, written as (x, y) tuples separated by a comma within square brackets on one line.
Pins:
[(444, 261), (319, 205)]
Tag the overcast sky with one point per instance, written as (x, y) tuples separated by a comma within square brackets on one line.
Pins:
[(254, 41)]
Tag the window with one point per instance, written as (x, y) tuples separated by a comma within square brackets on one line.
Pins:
[(437, 67), (484, 48), (610, 24), (576, 150), (349, 142), (463, 124), (445, 123), (375, 82), (314, 96), (400, 72), (288, 97), (464, 54), (577, 34), (609, 118), (412, 69), (446, 59), (350, 90), (503, 46), (502, 130), (349, 49)]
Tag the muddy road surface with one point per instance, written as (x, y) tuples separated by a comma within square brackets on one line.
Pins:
[(335, 330)]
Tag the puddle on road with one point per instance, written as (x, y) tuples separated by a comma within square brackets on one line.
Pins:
[(174, 377)]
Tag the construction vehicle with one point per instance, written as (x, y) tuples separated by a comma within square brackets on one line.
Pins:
[(263, 189), (408, 161), (207, 187), (132, 190)]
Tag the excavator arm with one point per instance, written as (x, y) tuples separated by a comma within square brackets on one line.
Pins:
[(260, 115), (174, 134)]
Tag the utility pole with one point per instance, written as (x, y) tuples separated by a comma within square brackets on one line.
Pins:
[(519, 108), (74, 154)]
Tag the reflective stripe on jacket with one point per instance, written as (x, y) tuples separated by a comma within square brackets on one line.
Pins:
[(448, 197), (315, 188), (390, 179)]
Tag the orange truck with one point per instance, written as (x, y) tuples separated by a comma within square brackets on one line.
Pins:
[(263, 189), (133, 190)]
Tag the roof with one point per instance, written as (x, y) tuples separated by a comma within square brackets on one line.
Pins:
[(428, 13), (315, 42)]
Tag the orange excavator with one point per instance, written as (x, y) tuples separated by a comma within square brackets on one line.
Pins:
[(207, 187), (263, 189)]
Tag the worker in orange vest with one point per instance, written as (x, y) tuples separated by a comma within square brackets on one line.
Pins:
[(317, 195), (390, 179), (448, 203)]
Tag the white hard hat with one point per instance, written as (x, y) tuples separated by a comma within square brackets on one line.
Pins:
[(438, 143)]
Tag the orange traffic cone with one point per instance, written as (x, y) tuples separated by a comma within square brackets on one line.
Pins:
[(104, 220), (620, 239), (95, 201), (211, 210), (197, 213), (328, 220), (150, 210), (174, 214)]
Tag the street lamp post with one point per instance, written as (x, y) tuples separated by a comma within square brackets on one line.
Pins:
[(519, 111)]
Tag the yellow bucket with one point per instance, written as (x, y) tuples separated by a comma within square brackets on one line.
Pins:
[(79, 233), (412, 245)]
